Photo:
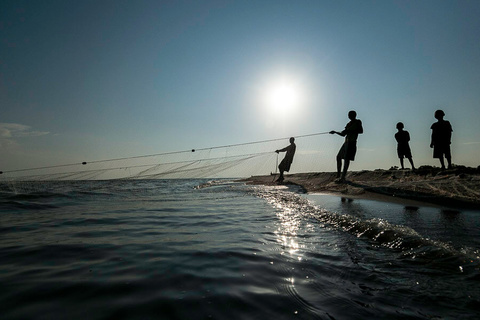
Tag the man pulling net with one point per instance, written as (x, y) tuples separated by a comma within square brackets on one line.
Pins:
[(287, 161)]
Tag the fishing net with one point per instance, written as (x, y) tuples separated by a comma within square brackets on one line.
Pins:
[(314, 153)]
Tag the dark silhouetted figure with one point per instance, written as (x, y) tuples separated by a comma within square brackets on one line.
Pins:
[(287, 161), (441, 139), (403, 148), (349, 148)]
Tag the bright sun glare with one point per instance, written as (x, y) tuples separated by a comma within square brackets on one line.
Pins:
[(283, 97)]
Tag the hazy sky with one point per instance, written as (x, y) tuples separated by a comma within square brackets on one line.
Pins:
[(87, 80)]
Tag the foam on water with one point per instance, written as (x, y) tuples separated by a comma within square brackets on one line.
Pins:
[(378, 231)]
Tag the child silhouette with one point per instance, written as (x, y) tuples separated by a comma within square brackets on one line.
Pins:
[(403, 148), (441, 139)]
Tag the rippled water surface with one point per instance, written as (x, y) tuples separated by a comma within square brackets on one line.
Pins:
[(193, 249)]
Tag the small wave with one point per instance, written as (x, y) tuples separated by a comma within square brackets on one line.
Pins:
[(409, 243), (37, 196), (24, 205), (216, 183)]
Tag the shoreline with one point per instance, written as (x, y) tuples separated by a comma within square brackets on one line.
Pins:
[(456, 188)]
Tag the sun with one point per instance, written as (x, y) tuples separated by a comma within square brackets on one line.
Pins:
[(283, 97)]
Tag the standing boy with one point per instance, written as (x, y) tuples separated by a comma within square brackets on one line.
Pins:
[(403, 148), (441, 139)]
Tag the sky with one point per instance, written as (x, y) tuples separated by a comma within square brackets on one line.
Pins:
[(89, 80)]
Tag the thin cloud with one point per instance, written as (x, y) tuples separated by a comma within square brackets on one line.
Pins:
[(474, 142), (15, 130)]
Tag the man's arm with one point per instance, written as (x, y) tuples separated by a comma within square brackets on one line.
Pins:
[(282, 150), (343, 133)]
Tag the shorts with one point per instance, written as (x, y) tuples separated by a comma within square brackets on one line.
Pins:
[(404, 151), (440, 150), (348, 150)]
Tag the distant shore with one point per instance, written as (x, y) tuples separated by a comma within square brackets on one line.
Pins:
[(458, 187)]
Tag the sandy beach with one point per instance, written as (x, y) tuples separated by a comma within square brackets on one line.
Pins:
[(458, 187)]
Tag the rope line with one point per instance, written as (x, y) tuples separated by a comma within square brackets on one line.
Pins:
[(160, 154), (263, 141)]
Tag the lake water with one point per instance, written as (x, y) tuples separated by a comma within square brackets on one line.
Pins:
[(194, 249)]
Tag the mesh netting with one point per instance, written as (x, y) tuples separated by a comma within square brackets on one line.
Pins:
[(314, 153)]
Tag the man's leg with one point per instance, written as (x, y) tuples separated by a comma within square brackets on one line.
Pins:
[(280, 178), (339, 166), (346, 164), (401, 163), (411, 162), (449, 161), (442, 162)]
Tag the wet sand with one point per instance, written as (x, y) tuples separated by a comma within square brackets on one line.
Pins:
[(458, 187)]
